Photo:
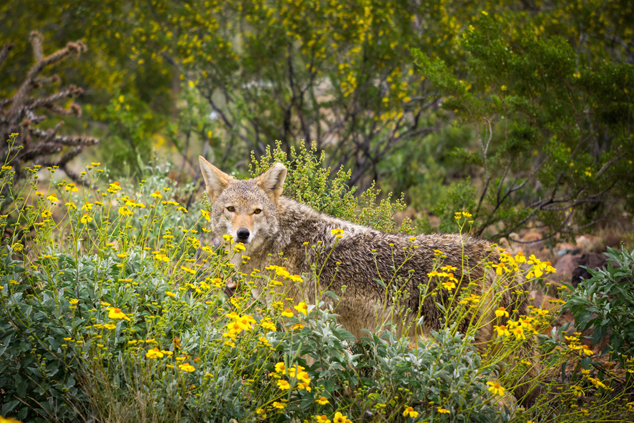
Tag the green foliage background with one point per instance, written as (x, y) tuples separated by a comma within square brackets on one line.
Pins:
[(226, 79)]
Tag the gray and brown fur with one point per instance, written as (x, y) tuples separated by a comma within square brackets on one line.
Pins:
[(284, 225)]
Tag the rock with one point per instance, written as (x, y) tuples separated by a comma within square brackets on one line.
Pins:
[(566, 266), (589, 242), (590, 260)]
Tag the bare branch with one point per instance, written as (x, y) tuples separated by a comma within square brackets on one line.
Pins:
[(4, 52)]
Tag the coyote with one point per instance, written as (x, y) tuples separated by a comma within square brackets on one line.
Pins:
[(375, 267)]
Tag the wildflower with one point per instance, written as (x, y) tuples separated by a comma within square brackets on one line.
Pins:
[(46, 214), (409, 411), (287, 313), (186, 367), (280, 368), (125, 211), (71, 187), (156, 194), (283, 384), (268, 325), (501, 312), (597, 383), (324, 419), (109, 326), (339, 233), (448, 285), (443, 410), (170, 294), (322, 401), (585, 350), (86, 219), (188, 270), (577, 391), (74, 301), (302, 308), (53, 198), (154, 353), (279, 405), (495, 388), (340, 418), (264, 341), (519, 333), (116, 313)]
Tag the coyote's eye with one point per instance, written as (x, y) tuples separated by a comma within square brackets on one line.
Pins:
[(231, 209), (257, 211)]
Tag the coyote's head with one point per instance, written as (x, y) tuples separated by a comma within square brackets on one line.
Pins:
[(243, 209)]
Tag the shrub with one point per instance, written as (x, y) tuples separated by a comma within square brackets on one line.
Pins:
[(605, 303)]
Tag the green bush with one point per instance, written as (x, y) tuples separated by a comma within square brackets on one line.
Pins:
[(311, 182), (551, 134), (605, 303)]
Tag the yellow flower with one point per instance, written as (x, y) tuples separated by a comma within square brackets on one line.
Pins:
[(302, 308), (116, 313), (268, 325), (279, 405), (73, 301), (448, 285), (287, 313), (9, 420), (205, 214), (578, 391), (340, 418), (280, 368), (154, 353), (409, 411), (125, 211), (322, 401), (283, 384), (170, 294), (443, 410), (502, 330), (109, 326), (500, 312), (324, 419), (495, 388), (585, 350), (86, 219), (156, 194), (338, 232), (53, 198), (186, 367)]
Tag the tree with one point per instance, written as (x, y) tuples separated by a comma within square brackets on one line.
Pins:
[(554, 132)]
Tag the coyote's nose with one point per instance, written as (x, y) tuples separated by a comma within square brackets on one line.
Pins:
[(243, 235)]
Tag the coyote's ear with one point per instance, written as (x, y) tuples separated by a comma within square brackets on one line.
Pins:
[(272, 182), (215, 179)]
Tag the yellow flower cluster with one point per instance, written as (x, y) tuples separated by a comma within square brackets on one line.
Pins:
[(574, 344), (296, 374), (237, 325), (281, 271), (450, 280)]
